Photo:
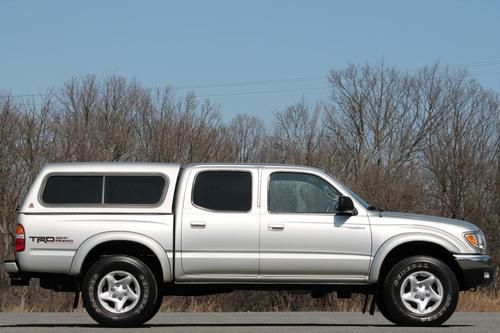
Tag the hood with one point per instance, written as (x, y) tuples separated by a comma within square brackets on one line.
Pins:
[(427, 219)]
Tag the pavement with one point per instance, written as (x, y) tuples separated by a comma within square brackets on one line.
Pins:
[(245, 322)]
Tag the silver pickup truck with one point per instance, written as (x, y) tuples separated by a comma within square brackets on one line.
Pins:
[(123, 235)]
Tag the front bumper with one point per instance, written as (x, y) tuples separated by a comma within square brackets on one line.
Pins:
[(477, 270)]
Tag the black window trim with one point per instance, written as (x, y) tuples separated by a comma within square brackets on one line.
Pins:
[(224, 211), (102, 204), (297, 172)]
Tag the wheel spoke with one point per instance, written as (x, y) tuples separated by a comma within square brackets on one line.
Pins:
[(125, 281), (429, 281), (413, 282), (408, 297), (110, 280), (119, 305), (434, 295), (107, 296), (131, 294), (422, 305)]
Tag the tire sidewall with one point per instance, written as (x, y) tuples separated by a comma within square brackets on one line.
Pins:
[(147, 285), (398, 274)]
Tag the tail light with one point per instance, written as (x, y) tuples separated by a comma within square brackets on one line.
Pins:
[(20, 240)]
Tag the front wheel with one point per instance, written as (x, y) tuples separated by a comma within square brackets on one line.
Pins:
[(119, 291), (157, 306), (420, 291)]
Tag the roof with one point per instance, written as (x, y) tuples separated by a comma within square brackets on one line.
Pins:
[(252, 165), (136, 166), (168, 168), (109, 167)]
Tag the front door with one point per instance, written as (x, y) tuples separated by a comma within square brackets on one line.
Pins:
[(302, 238)]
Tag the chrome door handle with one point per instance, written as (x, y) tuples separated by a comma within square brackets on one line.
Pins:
[(276, 227), (198, 225)]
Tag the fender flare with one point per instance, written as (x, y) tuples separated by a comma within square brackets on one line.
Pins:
[(90, 243), (395, 241)]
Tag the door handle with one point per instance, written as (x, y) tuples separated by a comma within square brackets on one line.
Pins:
[(198, 225), (276, 227)]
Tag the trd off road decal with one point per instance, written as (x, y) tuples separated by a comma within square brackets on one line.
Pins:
[(51, 239)]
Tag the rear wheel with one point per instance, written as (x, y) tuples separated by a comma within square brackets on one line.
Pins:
[(119, 291), (420, 291)]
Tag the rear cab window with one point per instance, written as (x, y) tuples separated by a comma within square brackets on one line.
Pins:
[(104, 190)]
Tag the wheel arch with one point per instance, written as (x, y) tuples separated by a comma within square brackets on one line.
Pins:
[(405, 246), (121, 243)]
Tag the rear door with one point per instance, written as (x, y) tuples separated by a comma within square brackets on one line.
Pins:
[(220, 224)]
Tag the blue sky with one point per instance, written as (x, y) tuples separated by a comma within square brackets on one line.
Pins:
[(192, 44)]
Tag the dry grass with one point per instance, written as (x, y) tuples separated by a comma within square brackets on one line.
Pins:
[(260, 301), (479, 301), (483, 301), (28, 300)]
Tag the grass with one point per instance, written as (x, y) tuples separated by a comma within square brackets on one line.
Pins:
[(28, 300), (479, 302)]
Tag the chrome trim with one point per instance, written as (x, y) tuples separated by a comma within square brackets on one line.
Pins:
[(473, 261), (473, 258)]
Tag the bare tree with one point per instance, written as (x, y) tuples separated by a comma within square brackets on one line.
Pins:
[(246, 135), (461, 156), (379, 119), (298, 134)]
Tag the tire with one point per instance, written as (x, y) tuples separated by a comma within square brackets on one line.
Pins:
[(382, 308), (156, 308), (420, 291), (119, 291)]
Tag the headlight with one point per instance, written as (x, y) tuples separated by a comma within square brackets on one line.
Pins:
[(476, 239)]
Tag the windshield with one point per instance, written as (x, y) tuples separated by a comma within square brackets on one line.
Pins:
[(359, 199)]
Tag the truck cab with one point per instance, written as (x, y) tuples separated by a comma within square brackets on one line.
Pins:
[(271, 224)]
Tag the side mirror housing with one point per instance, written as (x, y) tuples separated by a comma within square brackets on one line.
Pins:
[(345, 206)]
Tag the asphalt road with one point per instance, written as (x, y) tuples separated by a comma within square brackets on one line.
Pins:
[(245, 322)]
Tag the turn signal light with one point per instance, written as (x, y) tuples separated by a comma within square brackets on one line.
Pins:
[(20, 238), (472, 239)]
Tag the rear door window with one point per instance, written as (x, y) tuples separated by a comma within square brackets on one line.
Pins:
[(229, 191)]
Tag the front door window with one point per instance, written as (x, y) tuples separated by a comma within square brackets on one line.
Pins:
[(291, 193)]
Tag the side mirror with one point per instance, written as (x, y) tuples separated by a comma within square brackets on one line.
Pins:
[(345, 206)]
